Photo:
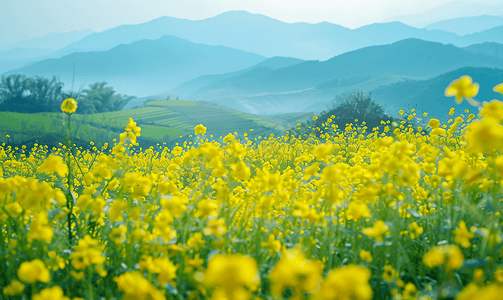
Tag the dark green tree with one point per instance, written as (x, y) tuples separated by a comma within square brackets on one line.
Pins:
[(19, 93), (100, 98), (14, 93), (45, 93), (354, 106)]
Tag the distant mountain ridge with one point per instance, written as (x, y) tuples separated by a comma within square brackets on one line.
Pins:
[(22, 53), (144, 66), (52, 41), (289, 88), (467, 25), (270, 37), (453, 9), (248, 32), (273, 63), (491, 49), (266, 36)]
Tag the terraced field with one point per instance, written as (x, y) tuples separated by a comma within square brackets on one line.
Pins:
[(161, 121)]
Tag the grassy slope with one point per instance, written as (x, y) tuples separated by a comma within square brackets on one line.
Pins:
[(219, 120), (160, 121)]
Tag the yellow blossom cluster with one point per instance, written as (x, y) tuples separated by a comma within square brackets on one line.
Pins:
[(350, 213)]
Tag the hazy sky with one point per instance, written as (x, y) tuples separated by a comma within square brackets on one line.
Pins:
[(22, 19)]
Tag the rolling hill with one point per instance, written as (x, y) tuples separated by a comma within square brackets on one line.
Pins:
[(270, 64), (428, 95), (491, 49), (144, 67), (467, 25), (161, 121), (308, 86)]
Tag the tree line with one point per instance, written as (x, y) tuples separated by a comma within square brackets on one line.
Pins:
[(19, 93)]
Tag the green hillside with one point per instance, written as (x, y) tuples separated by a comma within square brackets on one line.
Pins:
[(161, 121), (219, 120)]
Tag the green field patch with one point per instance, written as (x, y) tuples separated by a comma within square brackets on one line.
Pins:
[(19, 122), (171, 103), (159, 132), (44, 127)]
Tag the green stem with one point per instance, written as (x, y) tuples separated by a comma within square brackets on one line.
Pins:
[(2, 258), (69, 197), (90, 294)]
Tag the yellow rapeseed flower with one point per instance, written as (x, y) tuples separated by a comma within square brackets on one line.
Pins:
[(498, 88), (365, 255), (228, 137), (322, 151), (195, 241), (376, 231), (293, 270), (356, 210), (434, 123), (54, 164), (438, 131), (484, 136), (409, 292), (271, 244), (462, 88), (463, 236), (415, 230), (231, 275), (473, 291), (135, 286), (199, 129), (240, 171), (69, 105), (349, 282), (131, 126), (206, 208), (33, 271), (448, 255), (389, 273), (52, 293), (217, 227), (14, 288), (493, 109)]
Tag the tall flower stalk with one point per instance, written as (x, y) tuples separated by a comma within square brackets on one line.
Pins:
[(69, 106)]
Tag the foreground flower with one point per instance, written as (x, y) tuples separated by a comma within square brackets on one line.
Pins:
[(485, 136), (271, 244), (135, 286), (323, 150), (376, 231), (199, 129), (489, 292), (492, 109), (463, 236), (33, 271), (69, 106), (232, 276), (52, 293), (54, 164), (462, 88), (448, 255), (296, 272), (14, 288), (349, 282), (498, 88)]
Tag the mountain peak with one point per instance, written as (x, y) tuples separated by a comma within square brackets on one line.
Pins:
[(239, 15)]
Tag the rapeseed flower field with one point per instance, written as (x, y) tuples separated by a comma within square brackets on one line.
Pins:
[(336, 213)]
